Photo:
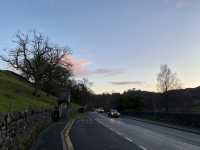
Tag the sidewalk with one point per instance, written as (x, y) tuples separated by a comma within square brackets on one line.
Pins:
[(50, 138)]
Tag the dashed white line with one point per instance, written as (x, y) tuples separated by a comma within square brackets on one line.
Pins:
[(119, 133), (127, 138), (142, 147), (122, 135)]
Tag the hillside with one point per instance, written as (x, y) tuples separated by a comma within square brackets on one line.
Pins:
[(16, 94)]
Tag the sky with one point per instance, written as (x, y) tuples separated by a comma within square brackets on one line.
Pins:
[(116, 44)]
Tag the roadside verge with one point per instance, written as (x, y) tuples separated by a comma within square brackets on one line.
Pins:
[(192, 130)]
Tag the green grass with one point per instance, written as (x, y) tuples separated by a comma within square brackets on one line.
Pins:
[(16, 95), (196, 109), (75, 106), (74, 114)]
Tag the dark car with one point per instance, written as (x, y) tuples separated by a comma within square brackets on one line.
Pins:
[(81, 110), (113, 113)]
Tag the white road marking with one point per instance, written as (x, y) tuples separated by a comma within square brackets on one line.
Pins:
[(129, 139), (119, 133), (144, 136), (122, 135), (142, 147)]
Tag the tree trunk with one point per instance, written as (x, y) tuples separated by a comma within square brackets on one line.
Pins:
[(36, 89), (166, 102)]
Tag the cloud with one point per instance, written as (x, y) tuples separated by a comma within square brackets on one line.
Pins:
[(108, 72), (127, 82), (80, 68), (179, 3), (182, 3)]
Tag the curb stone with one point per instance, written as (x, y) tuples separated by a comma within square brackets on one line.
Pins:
[(66, 141)]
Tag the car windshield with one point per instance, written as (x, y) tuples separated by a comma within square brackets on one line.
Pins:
[(113, 110)]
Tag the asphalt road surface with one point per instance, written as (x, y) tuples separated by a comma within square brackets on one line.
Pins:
[(88, 134), (147, 136)]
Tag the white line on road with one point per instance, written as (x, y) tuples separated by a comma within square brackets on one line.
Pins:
[(122, 135), (142, 147), (127, 138), (144, 136), (119, 133)]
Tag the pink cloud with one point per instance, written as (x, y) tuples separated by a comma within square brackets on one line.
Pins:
[(80, 67)]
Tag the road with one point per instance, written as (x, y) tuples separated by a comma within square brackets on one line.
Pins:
[(149, 136), (88, 134)]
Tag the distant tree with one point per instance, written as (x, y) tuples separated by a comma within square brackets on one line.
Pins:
[(81, 92), (35, 58), (166, 81), (130, 102)]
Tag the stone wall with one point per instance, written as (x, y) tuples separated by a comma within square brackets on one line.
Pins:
[(19, 129)]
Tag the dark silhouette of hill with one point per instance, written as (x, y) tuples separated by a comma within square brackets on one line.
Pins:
[(16, 76), (182, 100)]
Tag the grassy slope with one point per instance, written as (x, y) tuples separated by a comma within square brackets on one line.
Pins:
[(196, 109), (16, 95)]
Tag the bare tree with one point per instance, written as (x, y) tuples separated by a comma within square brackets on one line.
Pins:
[(166, 81), (34, 57)]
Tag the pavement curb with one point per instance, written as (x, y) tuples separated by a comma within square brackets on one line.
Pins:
[(66, 141), (168, 125)]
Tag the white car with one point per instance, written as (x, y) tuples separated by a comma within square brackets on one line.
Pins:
[(100, 110)]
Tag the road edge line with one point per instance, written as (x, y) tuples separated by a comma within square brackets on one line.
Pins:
[(66, 140)]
